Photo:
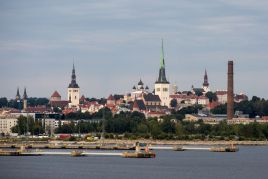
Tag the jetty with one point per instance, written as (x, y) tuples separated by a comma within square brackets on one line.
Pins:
[(230, 148)]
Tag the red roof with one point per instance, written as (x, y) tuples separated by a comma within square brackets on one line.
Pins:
[(56, 94), (82, 98), (59, 103), (110, 97), (136, 105), (264, 117)]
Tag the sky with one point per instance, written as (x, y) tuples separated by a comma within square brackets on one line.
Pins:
[(114, 43)]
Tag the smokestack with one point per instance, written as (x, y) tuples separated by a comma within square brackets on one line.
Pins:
[(230, 91)]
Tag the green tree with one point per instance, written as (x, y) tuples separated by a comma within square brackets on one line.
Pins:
[(3, 102), (173, 103), (211, 96)]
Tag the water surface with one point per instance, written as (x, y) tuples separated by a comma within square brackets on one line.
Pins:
[(249, 162)]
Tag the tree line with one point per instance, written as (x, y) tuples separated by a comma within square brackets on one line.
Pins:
[(254, 107)]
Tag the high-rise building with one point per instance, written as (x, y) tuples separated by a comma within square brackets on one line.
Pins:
[(73, 91), (162, 85)]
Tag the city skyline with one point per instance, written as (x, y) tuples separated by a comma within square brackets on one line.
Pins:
[(116, 43)]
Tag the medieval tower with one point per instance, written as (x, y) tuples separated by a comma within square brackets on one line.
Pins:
[(73, 91)]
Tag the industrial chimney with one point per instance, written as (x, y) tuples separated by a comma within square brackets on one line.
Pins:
[(230, 91)]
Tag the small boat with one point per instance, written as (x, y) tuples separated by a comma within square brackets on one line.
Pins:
[(76, 153), (178, 148), (231, 148), (138, 155)]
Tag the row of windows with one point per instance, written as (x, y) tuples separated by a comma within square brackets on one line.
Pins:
[(73, 91), (164, 89)]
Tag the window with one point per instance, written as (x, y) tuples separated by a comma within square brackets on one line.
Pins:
[(165, 89), (157, 89)]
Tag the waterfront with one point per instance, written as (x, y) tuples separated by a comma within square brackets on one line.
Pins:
[(249, 162)]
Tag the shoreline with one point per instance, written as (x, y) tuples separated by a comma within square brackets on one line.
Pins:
[(131, 142), (180, 142)]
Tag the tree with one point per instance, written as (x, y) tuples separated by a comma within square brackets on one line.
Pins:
[(24, 125), (211, 96), (168, 126), (198, 92), (173, 103), (3, 102)]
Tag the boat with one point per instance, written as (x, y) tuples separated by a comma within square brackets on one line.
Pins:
[(138, 155), (178, 148), (230, 148), (76, 153)]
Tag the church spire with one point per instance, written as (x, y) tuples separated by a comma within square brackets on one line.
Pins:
[(25, 94), (162, 61), (18, 94), (73, 83), (205, 79), (162, 72)]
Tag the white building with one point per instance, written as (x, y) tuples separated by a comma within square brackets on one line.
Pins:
[(73, 91), (6, 124), (222, 96), (91, 107), (138, 90)]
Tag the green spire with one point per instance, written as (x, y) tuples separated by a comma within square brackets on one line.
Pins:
[(162, 72), (162, 61)]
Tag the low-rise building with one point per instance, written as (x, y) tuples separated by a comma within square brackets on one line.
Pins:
[(6, 124)]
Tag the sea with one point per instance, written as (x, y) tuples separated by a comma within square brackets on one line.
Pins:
[(250, 162)]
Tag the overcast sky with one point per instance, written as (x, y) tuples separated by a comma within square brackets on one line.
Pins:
[(115, 43)]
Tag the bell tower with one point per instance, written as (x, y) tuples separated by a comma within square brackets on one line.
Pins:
[(73, 91), (206, 84)]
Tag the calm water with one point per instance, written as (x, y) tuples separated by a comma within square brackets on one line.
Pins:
[(249, 162)]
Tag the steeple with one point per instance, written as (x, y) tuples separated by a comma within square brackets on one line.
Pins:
[(206, 79), (73, 83), (25, 94), (18, 94), (162, 72)]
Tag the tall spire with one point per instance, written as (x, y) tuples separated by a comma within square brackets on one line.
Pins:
[(18, 94), (162, 60), (205, 79), (25, 94), (73, 83), (162, 72)]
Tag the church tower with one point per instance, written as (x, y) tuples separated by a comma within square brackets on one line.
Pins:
[(18, 95), (162, 85), (206, 84), (25, 97), (18, 99), (73, 91)]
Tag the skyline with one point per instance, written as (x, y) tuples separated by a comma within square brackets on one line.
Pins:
[(115, 43)]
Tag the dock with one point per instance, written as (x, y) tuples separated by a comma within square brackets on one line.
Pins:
[(211, 149), (227, 148)]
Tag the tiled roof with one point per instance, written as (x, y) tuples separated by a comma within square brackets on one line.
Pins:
[(59, 103), (56, 94), (151, 97), (138, 104), (110, 97)]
